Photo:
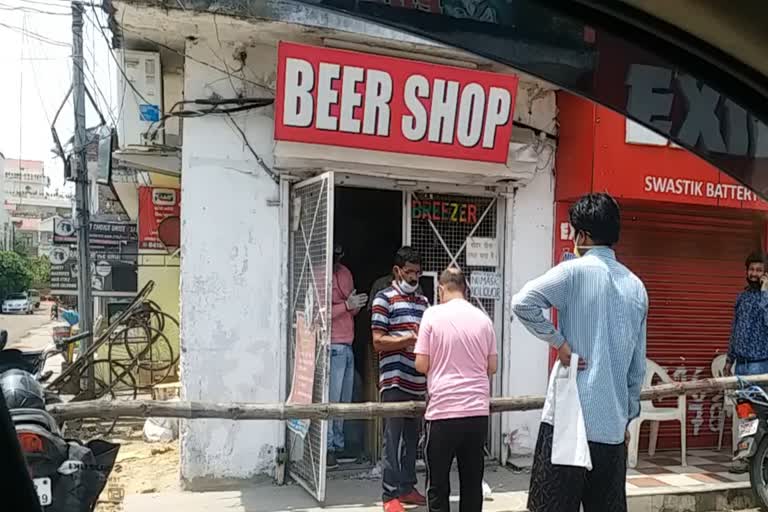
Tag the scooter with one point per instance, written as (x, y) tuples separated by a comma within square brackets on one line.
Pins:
[(68, 475), (33, 362), (752, 446)]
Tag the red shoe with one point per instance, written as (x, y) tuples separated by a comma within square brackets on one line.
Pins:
[(393, 506), (414, 498)]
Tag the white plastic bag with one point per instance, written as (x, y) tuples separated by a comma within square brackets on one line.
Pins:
[(569, 444), (161, 430), (548, 414)]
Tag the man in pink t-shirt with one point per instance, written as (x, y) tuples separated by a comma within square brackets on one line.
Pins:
[(456, 350)]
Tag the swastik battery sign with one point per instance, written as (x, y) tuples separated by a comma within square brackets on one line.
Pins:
[(155, 205), (358, 100)]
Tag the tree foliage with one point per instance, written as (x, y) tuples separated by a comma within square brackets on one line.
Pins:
[(40, 271), (15, 275)]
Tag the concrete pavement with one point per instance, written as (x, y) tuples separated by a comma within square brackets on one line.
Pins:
[(509, 495), (347, 495), (28, 332)]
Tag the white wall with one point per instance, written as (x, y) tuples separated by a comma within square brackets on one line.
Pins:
[(532, 218), (230, 272), (230, 290)]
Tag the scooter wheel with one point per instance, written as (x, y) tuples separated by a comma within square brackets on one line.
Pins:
[(758, 474)]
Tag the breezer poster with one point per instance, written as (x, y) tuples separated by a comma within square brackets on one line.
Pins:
[(303, 372), (155, 205)]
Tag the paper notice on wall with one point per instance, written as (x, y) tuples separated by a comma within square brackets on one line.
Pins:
[(303, 372), (485, 285), (482, 252)]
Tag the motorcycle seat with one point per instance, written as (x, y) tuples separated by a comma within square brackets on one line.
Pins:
[(35, 417), (12, 358)]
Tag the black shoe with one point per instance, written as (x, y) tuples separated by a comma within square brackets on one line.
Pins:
[(331, 463), (739, 467)]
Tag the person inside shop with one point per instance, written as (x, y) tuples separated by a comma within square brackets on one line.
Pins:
[(456, 350), (395, 317), (748, 347), (346, 304), (602, 313)]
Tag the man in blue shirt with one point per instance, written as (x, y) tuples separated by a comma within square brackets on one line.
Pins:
[(748, 348), (602, 312)]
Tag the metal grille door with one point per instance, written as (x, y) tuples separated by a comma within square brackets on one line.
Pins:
[(441, 226), (311, 226)]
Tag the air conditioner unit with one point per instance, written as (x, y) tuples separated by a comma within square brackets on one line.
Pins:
[(141, 100)]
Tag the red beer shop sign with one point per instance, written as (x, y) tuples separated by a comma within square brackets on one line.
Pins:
[(364, 101)]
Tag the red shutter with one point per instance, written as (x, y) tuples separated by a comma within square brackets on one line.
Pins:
[(692, 264)]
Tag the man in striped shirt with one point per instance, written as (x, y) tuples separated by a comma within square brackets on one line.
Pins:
[(395, 317)]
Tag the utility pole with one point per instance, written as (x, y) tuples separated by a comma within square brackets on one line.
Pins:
[(82, 199)]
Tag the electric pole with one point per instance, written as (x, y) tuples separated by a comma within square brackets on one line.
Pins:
[(82, 199)]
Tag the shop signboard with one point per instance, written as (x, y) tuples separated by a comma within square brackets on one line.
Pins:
[(485, 285), (113, 269), (363, 101), (482, 252), (618, 156), (100, 233), (303, 371), (438, 210), (156, 204)]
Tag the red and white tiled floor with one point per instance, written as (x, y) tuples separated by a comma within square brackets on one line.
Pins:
[(663, 472)]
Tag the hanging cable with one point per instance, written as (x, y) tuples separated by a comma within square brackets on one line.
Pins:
[(193, 59), (36, 36), (95, 22), (31, 10), (217, 107), (127, 80), (258, 158)]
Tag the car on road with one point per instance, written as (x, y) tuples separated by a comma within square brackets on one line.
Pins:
[(18, 303)]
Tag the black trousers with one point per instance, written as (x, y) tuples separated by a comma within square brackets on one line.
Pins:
[(463, 439), (401, 442), (564, 488)]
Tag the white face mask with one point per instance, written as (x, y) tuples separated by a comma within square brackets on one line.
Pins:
[(407, 287)]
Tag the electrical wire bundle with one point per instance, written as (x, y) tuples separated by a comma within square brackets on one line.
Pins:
[(226, 106)]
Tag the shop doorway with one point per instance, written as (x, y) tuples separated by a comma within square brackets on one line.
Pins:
[(464, 231), (368, 224)]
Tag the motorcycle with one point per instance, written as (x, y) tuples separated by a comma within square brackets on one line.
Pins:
[(68, 475), (752, 445)]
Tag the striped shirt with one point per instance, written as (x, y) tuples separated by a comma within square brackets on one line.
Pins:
[(602, 311), (398, 314)]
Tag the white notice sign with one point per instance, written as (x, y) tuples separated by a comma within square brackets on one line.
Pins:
[(482, 252), (485, 285)]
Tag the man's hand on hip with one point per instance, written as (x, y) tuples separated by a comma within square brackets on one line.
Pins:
[(564, 354)]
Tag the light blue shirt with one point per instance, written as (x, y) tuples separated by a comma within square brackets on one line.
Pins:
[(602, 311)]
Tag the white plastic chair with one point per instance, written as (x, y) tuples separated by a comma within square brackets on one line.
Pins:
[(729, 407), (649, 412)]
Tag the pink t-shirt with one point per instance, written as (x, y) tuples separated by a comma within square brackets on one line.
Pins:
[(458, 338)]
